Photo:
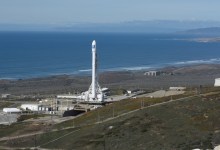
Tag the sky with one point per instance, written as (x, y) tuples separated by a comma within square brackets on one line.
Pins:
[(61, 12)]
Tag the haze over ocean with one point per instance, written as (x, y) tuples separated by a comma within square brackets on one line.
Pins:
[(38, 54)]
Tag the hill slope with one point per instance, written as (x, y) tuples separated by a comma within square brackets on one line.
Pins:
[(186, 124)]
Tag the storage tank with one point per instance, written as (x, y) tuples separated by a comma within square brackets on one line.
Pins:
[(217, 82)]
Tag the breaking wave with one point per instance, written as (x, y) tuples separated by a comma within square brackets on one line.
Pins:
[(201, 61), (85, 70), (155, 66)]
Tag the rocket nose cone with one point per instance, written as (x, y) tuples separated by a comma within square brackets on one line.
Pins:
[(93, 43)]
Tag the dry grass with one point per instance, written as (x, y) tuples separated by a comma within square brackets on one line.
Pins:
[(191, 123)]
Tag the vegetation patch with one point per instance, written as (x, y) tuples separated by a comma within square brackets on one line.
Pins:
[(7, 130), (30, 116), (5, 104)]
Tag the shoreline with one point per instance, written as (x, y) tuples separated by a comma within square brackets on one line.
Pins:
[(87, 72), (188, 75)]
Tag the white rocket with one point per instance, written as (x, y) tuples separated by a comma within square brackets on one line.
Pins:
[(94, 94), (94, 61)]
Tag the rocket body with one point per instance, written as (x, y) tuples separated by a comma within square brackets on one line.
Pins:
[(94, 94), (94, 69)]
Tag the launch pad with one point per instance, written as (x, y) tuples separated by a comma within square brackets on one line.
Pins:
[(94, 95)]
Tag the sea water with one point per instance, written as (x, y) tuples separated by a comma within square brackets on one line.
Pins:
[(39, 54)]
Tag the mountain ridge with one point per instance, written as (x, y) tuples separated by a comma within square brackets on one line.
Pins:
[(137, 26)]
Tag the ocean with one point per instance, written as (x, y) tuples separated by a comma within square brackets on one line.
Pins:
[(39, 54)]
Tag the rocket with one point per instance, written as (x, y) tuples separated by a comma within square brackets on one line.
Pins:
[(94, 94), (94, 68)]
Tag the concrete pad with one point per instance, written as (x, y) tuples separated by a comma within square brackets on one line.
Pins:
[(163, 93)]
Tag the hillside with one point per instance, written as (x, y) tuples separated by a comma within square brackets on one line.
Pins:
[(191, 122), (203, 31)]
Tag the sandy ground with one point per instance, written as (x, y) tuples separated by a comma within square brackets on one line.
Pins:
[(188, 76)]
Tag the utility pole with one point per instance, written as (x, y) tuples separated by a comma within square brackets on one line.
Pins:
[(61, 107), (113, 111), (98, 116), (104, 142), (67, 104), (142, 103), (35, 141), (56, 106)]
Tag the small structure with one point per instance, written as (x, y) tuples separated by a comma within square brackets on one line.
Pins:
[(11, 110), (5, 95), (177, 88), (152, 73), (217, 82), (130, 91)]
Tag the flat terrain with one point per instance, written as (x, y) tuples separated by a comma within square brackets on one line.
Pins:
[(190, 76)]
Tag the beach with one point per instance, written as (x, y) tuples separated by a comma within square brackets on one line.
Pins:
[(191, 76)]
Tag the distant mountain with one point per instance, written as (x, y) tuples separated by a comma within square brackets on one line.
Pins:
[(26, 27), (203, 31), (151, 26)]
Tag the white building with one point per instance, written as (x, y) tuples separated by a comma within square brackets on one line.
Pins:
[(217, 82), (152, 73), (32, 107), (11, 110), (68, 96), (5, 95), (177, 88), (130, 91)]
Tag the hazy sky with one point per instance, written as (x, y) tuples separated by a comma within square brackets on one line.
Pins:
[(109, 11)]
